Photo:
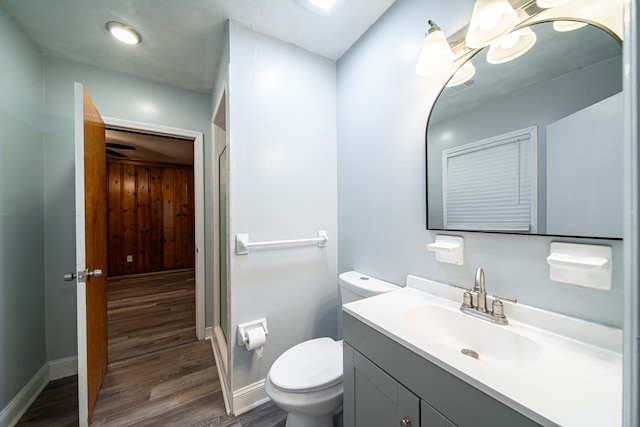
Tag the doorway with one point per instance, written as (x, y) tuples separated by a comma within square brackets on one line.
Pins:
[(150, 224), (151, 249), (131, 259)]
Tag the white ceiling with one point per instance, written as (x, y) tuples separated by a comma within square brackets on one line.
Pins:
[(182, 40)]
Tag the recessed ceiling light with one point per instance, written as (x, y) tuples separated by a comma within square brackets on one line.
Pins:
[(123, 32), (321, 7)]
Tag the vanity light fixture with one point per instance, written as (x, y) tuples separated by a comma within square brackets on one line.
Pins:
[(464, 74), (123, 32), (491, 19), (511, 46), (436, 55)]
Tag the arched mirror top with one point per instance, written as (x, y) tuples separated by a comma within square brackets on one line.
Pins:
[(566, 81), (555, 53)]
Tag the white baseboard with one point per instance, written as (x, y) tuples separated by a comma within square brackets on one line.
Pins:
[(52, 370), (12, 413), (249, 397), (221, 366), (242, 400), (208, 333), (63, 368)]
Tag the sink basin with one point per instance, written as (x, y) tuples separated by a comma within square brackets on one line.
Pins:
[(473, 337)]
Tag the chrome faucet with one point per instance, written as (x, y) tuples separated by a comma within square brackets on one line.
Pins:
[(480, 290), (478, 306)]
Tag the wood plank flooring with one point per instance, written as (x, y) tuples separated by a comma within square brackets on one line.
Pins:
[(57, 405), (150, 312), (158, 373)]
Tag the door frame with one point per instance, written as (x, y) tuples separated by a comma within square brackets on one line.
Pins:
[(199, 200), (631, 240), (221, 343)]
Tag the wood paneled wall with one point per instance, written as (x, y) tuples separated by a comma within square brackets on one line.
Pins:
[(150, 217)]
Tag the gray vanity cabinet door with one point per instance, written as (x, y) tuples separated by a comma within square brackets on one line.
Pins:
[(429, 417), (379, 400)]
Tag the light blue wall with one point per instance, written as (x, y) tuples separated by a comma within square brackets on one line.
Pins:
[(282, 186), (222, 72), (382, 113), (22, 301), (117, 96)]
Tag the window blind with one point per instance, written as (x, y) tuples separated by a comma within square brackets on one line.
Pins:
[(492, 184)]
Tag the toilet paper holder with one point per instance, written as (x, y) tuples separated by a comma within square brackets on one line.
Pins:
[(243, 327)]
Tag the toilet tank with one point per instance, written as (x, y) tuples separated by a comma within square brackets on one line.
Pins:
[(355, 286)]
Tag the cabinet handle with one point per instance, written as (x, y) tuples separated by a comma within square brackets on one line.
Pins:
[(405, 423)]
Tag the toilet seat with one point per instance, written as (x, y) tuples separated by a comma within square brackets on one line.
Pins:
[(309, 366)]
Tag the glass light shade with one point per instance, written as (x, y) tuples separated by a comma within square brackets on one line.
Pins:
[(435, 56), (491, 20), (511, 46), (123, 33), (546, 4), (564, 26), (464, 74)]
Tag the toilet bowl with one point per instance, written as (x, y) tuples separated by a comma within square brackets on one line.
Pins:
[(306, 380)]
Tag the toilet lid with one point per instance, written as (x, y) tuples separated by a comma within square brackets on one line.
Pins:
[(312, 365)]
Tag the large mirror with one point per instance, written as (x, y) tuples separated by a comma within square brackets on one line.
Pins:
[(533, 145)]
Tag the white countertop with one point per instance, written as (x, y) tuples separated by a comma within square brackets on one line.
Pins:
[(576, 380)]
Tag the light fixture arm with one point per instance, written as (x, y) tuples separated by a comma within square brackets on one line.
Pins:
[(433, 27)]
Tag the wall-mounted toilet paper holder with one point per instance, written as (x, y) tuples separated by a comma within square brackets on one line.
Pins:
[(243, 327)]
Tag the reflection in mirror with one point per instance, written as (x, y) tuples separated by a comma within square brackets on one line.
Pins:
[(565, 96)]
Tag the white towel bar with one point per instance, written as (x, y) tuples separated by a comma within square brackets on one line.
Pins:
[(243, 244)]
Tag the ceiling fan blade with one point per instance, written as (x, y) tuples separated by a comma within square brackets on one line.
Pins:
[(115, 154), (119, 146)]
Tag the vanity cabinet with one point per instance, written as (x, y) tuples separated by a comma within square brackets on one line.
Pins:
[(378, 399), (386, 383)]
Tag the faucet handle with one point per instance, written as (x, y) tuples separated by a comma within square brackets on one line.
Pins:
[(497, 309), (467, 299), (499, 298)]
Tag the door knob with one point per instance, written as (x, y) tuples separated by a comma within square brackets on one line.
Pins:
[(95, 273), (405, 423), (82, 275)]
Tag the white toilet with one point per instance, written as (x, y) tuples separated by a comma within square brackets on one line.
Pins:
[(306, 380)]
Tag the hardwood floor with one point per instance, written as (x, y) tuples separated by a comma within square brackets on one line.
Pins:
[(57, 405), (158, 373), (150, 312)]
